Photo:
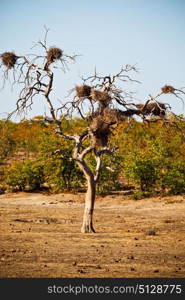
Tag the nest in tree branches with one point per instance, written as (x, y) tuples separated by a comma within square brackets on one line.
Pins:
[(108, 117), (100, 131), (53, 54), (112, 115), (97, 123), (154, 108), (83, 91), (167, 89), (101, 96), (8, 59)]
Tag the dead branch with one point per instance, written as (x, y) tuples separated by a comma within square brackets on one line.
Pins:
[(108, 103)]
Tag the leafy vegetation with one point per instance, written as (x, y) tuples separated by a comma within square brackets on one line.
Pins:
[(150, 157), (27, 175)]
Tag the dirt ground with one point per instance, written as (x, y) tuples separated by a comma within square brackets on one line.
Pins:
[(40, 236)]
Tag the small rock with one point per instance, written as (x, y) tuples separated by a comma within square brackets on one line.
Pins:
[(132, 269), (156, 271), (74, 263), (151, 232), (81, 271), (2, 258), (130, 257), (117, 260), (98, 267)]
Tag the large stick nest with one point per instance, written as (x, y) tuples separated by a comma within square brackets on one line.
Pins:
[(8, 59), (53, 54), (154, 108), (167, 89), (101, 96), (83, 91), (100, 131), (112, 115), (100, 124)]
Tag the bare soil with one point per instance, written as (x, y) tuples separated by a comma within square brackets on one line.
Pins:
[(40, 236)]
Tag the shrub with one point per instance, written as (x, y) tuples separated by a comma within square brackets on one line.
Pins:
[(142, 170), (109, 175), (138, 195), (63, 174), (27, 175), (60, 171), (174, 177)]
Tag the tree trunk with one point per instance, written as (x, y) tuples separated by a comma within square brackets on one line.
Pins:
[(87, 226)]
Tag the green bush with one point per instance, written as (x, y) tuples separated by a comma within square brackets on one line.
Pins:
[(138, 195), (27, 175), (63, 174), (60, 171), (7, 146), (151, 157), (109, 174), (108, 180), (174, 177), (142, 170)]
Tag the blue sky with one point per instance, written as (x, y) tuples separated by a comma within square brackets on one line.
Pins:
[(108, 34)]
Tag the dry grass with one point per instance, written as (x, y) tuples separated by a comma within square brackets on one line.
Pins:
[(40, 237)]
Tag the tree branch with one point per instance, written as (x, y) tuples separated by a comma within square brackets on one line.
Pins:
[(98, 156)]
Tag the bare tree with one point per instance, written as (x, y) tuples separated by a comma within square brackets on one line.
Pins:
[(99, 100)]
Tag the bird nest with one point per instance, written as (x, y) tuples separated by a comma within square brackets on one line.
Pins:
[(83, 91), (100, 131), (112, 115), (101, 96), (154, 108), (8, 59), (167, 89), (53, 54)]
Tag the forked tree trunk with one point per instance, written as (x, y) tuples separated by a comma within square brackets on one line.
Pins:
[(87, 226)]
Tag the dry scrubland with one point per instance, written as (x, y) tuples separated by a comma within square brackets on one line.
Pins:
[(40, 237)]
